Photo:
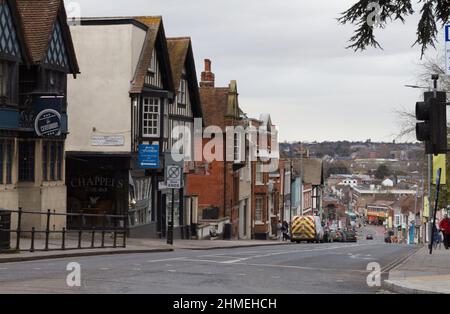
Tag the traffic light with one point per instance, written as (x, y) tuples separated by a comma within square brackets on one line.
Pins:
[(433, 126)]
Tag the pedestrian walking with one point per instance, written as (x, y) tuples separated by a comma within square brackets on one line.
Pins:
[(279, 231), (437, 239), (286, 236), (444, 225)]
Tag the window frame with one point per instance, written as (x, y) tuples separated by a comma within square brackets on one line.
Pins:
[(259, 210), (259, 174), (30, 176), (2, 161), (182, 93), (8, 82), (52, 160), (145, 128)]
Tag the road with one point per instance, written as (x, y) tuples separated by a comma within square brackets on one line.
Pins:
[(291, 268)]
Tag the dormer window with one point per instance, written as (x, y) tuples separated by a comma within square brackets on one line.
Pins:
[(182, 93), (152, 67), (152, 77)]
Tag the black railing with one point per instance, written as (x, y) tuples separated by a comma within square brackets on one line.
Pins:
[(116, 225)]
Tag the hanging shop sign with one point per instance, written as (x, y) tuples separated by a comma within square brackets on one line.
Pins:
[(48, 123)]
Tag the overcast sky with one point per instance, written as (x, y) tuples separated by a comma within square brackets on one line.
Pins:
[(289, 60)]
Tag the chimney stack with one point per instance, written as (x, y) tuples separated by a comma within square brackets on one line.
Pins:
[(208, 78)]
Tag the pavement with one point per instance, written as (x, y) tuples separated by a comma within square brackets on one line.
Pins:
[(328, 268), (133, 246), (422, 273)]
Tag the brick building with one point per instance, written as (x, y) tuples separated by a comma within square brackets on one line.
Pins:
[(216, 183)]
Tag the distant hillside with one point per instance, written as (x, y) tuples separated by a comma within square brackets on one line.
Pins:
[(354, 150)]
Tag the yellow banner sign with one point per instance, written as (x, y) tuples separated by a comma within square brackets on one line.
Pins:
[(439, 161)]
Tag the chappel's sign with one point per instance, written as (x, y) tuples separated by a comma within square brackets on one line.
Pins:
[(97, 181)]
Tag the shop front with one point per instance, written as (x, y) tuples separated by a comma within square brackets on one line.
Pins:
[(96, 185)]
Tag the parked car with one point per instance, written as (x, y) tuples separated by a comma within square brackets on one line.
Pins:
[(369, 237), (339, 236), (388, 236), (350, 236)]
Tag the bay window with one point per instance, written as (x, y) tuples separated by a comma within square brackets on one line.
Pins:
[(151, 111)]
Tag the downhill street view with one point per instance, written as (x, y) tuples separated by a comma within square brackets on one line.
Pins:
[(244, 148)]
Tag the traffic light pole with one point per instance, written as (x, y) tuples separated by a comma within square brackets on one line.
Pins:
[(430, 176), (430, 167)]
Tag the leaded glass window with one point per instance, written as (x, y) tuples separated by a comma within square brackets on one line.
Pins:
[(56, 53), (9, 43)]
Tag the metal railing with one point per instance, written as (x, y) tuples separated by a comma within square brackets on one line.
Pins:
[(114, 227)]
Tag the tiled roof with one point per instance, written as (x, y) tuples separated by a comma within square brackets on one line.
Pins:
[(38, 19), (181, 55), (178, 48), (153, 23), (155, 28)]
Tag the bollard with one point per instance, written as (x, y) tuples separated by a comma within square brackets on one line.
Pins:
[(115, 239), (80, 234), (19, 224), (103, 239), (33, 231), (93, 239), (63, 246), (47, 230)]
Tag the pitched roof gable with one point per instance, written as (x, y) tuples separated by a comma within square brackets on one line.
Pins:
[(155, 37), (38, 19), (178, 49), (182, 56)]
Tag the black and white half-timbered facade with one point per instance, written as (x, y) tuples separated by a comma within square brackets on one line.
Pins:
[(182, 112), (119, 138), (36, 55)]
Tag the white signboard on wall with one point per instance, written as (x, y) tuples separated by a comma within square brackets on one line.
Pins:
[(109, 140)]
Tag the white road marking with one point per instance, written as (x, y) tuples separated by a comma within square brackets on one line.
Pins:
[(165, 260), (104, 268), (3, 268), (290, 252), (136, 269), (302, 268), (172, 271)]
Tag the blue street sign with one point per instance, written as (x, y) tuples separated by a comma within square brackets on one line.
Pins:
[(148, 156), (447, 49)]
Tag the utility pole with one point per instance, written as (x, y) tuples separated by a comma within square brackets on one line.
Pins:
[(301, 178)]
